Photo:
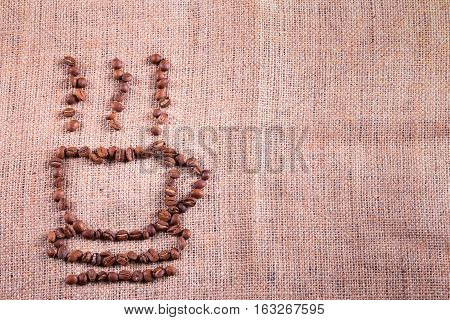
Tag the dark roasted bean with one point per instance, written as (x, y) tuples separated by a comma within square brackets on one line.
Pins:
[(64, 204), (51, 252), (92, 275), (175, 254), (137, 276), (148, 275), (125, 275), (56, 162), (117, 106), (159, 272), (129, 154), (69, 232), (153, 255), (132, 256), (71, 279), (79, 226), (70, 61), (182, 243), (58, 182), (74, 256), (199, 184), (74, 71), (165, 103), (108, 261), (164, 65), (135, 235), (116, 63), (102, 276), (58, 172), (164, 255), (84, 152), (113, 277), (170, 270), (88, 234), (186, 234), (122, 235), (155, 58)]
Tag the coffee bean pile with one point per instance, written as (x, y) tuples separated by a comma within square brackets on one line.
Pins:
[(161, 83), (120, 95), (78, 94), (168, 219)]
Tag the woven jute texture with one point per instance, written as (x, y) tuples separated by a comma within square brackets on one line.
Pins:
[(323, 122)]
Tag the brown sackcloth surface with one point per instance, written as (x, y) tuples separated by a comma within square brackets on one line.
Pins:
[(324, 123)]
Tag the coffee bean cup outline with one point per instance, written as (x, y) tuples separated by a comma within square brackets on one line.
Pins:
[(168, 219)]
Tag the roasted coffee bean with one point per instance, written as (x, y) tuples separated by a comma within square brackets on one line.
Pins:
[(106, 253), (84, 152), (120, 155), (137, 276), (175, 230), (74, 256), (143, 258), (94, 258), (112, 152), (192, 162), (69, 231), (112, 116), (119, 96), (165, 103), (173, 210), (79, 226), (156, 112), (132, 256), (186, 234), (182, 207), (60, 152), (102, 276), (189, 201), (161, 84), (51, 252), (129, 154), (135, 235), (71, 279), (108, 261), (72, 152), (146, 154), (124, 87), (153, 255), (58, 173), (109, 235), (151, 229), (80, 94), (102, 152), (125, 275), (64, 204), (164, 65), (51, 237), (58, 243), (159, 75), (98, 234), (175, 219), (164, 215), (199, 184), (82, 279), (155, 58), (96, 159), (180, 159), (169, 162), (122, 259), (161, 225), (138, 151), (62, 252), (113, 277), (73, 125), (117, 106), (159, 272), (117, 74), (163, 118), (122, 235), (58, 194), (116, 63), (70, 61), (182, 243), (170, 201), (60, 233), (197, 193), (197, 170), (58, 182), (74, 71), (175, 254), (169, 152), (115, 124), (126, 77), (170, 191), (73, 81), (174, 173), (87, 256), (56, 162), (170, 270), (88, 234), (69, 217), (81, 82), (164, 255), (92, 275), (160, 94), (147, 275), (170, 182), (155, 130), (71, 99), (159, 145), (145, 234)]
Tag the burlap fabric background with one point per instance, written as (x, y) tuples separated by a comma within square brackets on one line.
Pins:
[(324, 123)]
